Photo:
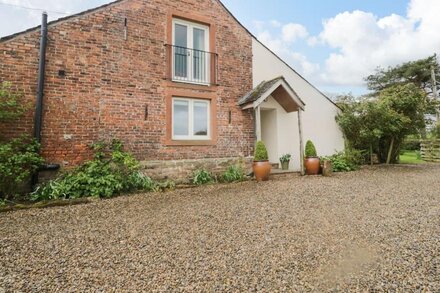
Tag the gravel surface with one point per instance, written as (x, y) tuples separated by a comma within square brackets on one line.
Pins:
[(377, 229)]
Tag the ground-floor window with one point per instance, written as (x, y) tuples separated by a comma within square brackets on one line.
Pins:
[(190, 119)]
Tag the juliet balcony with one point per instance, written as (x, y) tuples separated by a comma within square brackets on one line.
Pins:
[(193, 66)]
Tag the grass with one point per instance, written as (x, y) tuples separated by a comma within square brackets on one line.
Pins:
[(410, 157)]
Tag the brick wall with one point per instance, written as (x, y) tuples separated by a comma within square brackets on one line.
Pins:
[(109, 81)]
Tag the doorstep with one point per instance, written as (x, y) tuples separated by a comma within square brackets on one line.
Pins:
[(280, 171)]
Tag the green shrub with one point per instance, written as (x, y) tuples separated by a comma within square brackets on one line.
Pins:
[(410, 145), (310, 149), (285, 158), (260, 152), (345, 161), (201, 177), (233, 174), (19, 159), (435, 132), (11, 103), (111, 172)]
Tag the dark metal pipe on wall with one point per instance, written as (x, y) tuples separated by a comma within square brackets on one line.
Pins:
[(38, 119), (41, 73)]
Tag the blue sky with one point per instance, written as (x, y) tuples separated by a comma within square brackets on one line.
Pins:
[(333, 43)]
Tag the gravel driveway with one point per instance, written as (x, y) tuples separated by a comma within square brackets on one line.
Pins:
[(375, 229)]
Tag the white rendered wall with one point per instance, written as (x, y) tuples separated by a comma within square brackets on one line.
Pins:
[(318, 119), (269, 133), (284, 138)]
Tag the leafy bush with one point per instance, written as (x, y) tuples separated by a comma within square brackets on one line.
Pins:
[(11, 104), (410, 145), (285, 158), (111, 172), (310, 149), (19, 159), (201, 177), (233, 174), (260, 152), (345, 161), (435, 132)]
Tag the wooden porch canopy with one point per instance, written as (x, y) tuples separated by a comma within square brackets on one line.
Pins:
[(279, 89), (282, 92)]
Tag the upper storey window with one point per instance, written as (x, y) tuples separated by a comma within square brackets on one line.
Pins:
[(190, 56)]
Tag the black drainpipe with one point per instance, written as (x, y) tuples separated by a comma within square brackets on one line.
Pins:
[(41, 72), (40, 93)]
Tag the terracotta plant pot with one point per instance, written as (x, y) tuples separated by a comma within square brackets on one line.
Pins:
[(312, 165), (261, 170), (285, 165)]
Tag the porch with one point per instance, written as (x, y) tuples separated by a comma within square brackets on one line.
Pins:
[(278, 123)]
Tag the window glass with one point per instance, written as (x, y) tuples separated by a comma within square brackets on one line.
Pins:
[(180, 51), (181, 117), (180, 35), (199, 39), (200, 118), (190, 119)]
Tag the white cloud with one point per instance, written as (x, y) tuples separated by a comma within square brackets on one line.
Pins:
[(293, 31), (281, 38), (275, 23), (307, 68), (362, 41), (275, 44)]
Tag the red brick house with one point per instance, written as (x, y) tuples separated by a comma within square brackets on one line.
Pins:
[(165, 77)]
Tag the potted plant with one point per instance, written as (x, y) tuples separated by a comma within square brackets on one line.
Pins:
[(261, 165), (285, 160), (311, 161)]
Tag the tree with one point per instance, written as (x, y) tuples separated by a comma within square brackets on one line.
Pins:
[(415, 72), (404, 108), (380, 124)]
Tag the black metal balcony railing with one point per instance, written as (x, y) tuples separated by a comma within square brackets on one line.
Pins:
[(191, 65)]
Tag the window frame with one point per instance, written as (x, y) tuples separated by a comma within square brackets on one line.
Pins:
[(191, 136), (190, 43)]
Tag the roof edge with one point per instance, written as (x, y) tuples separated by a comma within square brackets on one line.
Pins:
[(85, 12), (59, 20), (273, 53)]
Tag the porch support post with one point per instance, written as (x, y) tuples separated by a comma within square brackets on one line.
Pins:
[(258, 123), (301, 143)]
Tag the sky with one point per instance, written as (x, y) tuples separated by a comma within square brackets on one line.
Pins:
[(335, 44)]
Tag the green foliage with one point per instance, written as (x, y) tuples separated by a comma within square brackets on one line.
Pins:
[(383, 122), (201, 177), (260, 152), (111, 172), (285, 158), (416, 72), (233, 173), (310, 149), (435, 132), (411, 157), (345, 161), (19, 159), (11, 104), (410, 144)]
